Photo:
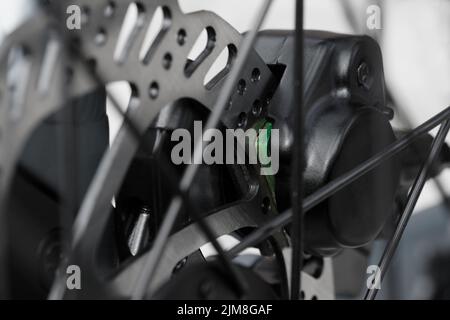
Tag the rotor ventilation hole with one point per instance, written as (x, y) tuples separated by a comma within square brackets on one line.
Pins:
[(201, 49), (257, 108), (167, 61), (110, 9), (181, 37), (100, 37), (242, 87), (153, 90), (158, 27), (256, 75), (242, 120), (132, 24), (220, 67)]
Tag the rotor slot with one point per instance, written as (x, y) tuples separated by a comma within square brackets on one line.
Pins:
[(158, 27), (51, 55), (201, 49), (18, 75), (132, 24), (220, 67)]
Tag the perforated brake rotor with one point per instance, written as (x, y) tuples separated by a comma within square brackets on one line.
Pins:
[(50, 76)]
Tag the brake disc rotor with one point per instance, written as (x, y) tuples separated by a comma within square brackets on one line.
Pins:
[(45, 80), (50, 75)]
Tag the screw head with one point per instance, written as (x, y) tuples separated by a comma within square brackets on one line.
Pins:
[(364, 75)]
